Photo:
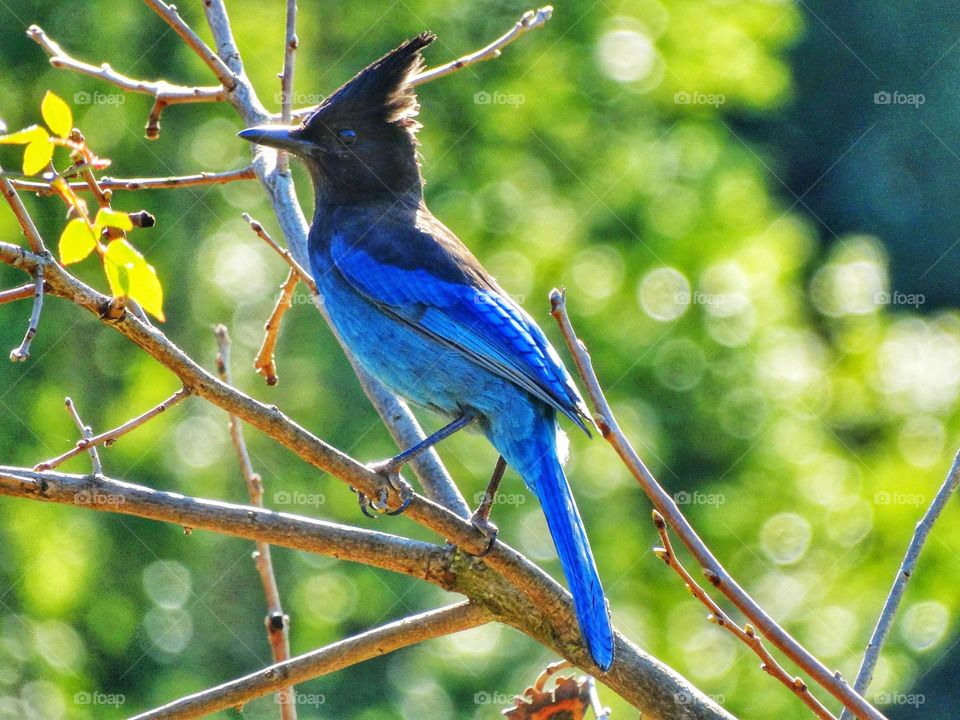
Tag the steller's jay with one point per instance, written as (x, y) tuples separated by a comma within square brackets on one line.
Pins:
[(423, 316)]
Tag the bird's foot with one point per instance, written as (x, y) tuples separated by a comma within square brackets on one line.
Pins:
[(390, 470), (487, 528)]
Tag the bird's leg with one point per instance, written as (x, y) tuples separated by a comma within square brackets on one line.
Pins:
[(481, 518), (390, 469)]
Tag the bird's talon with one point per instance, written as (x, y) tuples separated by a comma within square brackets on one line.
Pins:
[(486, 528), (364, 502)]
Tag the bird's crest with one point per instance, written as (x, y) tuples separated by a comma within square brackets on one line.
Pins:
[(381, 91)]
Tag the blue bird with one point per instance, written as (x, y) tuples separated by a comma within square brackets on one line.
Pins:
[(423, 316)]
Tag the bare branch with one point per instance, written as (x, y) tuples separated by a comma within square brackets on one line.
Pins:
[(719, 577), (745, 634), (377, 549), (531, 20), (109, 183), (165, 93), (23, 217), (265, 364), (276, 622), (180, 27), (287, 256), (286, 77), (23, 352), (18, 293), (373, 643), (110, 436), (892, 604), (87, 433)]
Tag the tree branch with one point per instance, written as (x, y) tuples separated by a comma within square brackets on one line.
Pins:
[(265, 364), (286, 77), (276, 622), (23, 217), (164, 92), (745, 634), (892, 604), (109, 183), (110, 436), (21, 353), (86, 432), (287, 256), (664, 504), (373, 643), (18, 293)]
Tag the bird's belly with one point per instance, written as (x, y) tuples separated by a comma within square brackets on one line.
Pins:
[(408, 362)]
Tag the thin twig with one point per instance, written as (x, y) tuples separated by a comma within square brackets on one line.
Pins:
[(110, 436), (892, 604), (746, 634), (276, 621), (23, 217), (109, 183), (286, 77), (180, 27), (531, 20), (165, 93), (287, 256), (87, 433), (23, 352), (265, 364), (717, 574), (373, 643), (17, 293)]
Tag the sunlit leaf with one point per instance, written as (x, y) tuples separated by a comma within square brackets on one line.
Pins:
[(76, 242), (130, 274), (25, 136), (57, 115), (113, 218), (37, 154)]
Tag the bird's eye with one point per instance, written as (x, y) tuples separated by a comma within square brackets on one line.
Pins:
[(347, 136)]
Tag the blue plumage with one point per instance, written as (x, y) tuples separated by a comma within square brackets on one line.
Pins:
[(421, 314)]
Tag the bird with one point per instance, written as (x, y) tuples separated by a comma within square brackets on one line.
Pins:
[(422, 315)]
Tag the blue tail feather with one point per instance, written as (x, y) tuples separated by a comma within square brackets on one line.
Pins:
[(536, 460)]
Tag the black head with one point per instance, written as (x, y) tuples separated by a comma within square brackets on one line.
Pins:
[(360, 143)]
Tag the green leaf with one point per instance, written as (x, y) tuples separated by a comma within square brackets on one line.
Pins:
[(37, 154), (130, 274), (76, 241), (57, 115), (25, 136), (112, 218)]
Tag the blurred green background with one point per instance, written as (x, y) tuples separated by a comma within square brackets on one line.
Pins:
[(760, 250)]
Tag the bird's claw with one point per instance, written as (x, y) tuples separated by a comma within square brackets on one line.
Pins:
[(381, 504), (486, 528)]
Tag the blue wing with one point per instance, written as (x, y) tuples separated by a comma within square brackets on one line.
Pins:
[(425, 277)]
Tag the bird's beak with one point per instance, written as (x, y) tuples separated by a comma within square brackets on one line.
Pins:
[(282, 137)]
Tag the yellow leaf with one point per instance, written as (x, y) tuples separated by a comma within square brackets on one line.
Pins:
[(130, 274), (57, 115), (37, 154), (76, 242), (112, 218), (25, 136)]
